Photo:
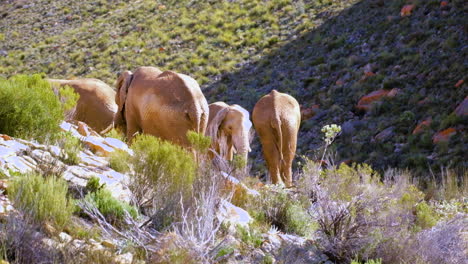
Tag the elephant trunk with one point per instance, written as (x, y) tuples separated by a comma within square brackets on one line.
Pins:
[(242, 145)]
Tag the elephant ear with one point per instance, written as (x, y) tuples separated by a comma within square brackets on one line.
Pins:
[(123, 82), (215, 123), (247, 124)]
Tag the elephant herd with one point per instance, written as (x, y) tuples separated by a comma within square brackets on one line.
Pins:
[(169, 104)]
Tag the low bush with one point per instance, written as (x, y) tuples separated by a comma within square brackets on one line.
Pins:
[(119, 161), (70, 148), (286, 211), (30, 109), (361, 217), (21, 243), (112, 209), (44, 199), (163, 173)]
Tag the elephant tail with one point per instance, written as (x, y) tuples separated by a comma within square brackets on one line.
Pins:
[(277, 133)]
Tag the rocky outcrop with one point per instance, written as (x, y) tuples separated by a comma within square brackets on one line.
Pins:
[(18, 155), (366, 102), (462, 108), (444, 135)]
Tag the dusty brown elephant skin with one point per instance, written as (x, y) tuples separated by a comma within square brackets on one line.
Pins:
[(229, 127), (163, 104), (276, 118), (96, 105)]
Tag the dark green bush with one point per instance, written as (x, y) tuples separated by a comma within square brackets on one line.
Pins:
[(30, 109)]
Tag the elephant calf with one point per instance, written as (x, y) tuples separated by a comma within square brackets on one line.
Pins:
[(96, 105), (229, 127), (276, 118)]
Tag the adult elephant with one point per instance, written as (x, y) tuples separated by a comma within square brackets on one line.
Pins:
[(96, 104), (163, 104), (229, 127), (276, 118)]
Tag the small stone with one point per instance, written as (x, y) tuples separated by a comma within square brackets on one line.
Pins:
[(407, 10), (126, 258), (462, 108), (49, 229), (385, 134), (65, 238), (422, 126)]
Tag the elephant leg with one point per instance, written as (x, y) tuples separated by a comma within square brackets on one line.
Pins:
[(272, 158), (289, 151), (132, 128)]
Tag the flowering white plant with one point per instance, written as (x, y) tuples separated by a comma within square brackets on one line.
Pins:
[(331, 131)]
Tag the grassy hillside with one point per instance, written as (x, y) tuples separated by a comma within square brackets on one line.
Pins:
[(318, 51)]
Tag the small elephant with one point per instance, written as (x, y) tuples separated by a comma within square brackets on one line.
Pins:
[(229, 127), (96, 105), (162, 104), (276, 118)]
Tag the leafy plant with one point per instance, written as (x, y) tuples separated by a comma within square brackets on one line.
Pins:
[(44, 199), (30, 109), (113, 210), (119, 161), (70, 147)]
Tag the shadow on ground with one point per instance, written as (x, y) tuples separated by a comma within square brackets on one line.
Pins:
[(422, 55)]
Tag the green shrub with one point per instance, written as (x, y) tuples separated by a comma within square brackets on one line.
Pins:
[(249, 236), (425, 216), (93, 184), (70, 148), (276, 207), (199, 142), (112, 209), (30, 109), (45, 199), (119, 161)]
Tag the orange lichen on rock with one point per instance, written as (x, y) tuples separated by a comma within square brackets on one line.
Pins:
[(369, 74), (307, 113), (366, 101), (422, 126), (5, 137), (444, 135), (459, 83), (407, 10)]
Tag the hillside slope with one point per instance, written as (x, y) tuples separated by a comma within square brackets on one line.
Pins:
[(327, 53)]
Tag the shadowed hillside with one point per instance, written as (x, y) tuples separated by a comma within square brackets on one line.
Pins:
[(328, 54)]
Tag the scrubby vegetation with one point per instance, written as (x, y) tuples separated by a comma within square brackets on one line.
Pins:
[(43, 199), (30, 109), (70, 147), (326, 53), (347, 206)]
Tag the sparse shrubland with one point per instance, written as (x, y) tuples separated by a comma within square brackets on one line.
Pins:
[(328, 54)]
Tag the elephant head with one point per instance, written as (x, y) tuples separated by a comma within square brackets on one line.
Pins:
[(229, 130)]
